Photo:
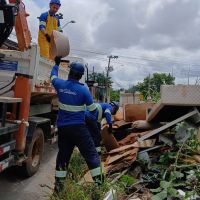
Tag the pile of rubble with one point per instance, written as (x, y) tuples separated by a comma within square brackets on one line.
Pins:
[(149, 133)]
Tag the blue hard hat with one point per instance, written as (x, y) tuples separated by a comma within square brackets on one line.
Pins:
[(77, 67), (115, 104), (55, 2)]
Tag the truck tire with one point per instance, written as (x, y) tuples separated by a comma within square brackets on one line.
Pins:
[(34, 151)]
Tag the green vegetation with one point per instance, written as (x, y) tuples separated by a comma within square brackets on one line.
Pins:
[(178, 169), (151, 84), (150, 87), (114, 95), (89, 191)]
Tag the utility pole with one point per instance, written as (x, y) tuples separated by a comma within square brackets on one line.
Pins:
[(107, 75), (149, 88), (93, 74), (87, 75), (189, 75)]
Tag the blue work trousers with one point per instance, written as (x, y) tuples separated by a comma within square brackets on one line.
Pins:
[(94, 128), (71, 136)]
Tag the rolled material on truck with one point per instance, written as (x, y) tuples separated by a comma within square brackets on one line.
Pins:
[(59, 45)]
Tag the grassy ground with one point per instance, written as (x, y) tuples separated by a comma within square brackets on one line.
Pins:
[(85, 191)]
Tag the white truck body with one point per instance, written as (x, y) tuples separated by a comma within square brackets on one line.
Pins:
[(31, 63)]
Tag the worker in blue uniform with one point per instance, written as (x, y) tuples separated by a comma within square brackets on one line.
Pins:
[(93, 121), (74, 99), (49, 21)]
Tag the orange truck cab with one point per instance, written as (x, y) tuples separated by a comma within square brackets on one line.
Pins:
[(28, 103)]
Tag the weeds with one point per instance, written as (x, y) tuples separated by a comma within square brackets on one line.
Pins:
[(179, 170), (74, 190), (77, 167)]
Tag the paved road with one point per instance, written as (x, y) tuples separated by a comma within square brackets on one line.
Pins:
[(14, 187)]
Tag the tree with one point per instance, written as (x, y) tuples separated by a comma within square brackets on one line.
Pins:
[(150, 87), (114, 95), (132, 89), (102, 80)]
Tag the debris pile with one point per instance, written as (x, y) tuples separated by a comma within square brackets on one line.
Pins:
[(163, 141)]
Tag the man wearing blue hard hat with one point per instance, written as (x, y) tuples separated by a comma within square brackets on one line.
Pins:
[(73, 98), (93, 120), (49, 21)]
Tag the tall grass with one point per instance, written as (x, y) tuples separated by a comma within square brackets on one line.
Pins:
[(84, 191)]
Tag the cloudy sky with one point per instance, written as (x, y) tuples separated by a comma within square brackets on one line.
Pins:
[(148, 36)]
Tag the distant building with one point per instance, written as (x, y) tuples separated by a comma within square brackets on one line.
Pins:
[(131, 98)]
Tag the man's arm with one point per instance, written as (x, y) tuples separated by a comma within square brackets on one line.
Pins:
[(91, 106), (42, 26), (43, 22), (56, 82), (108, 117)]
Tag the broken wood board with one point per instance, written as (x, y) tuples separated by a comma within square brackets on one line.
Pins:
[(131, 138), (108, 139), (142, 144), (134, 112), (122, 124), (130, 158), (122, 165), (141, 133), (176, 100), (112, 159)]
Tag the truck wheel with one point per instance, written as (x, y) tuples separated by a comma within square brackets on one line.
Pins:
[(34, 151)]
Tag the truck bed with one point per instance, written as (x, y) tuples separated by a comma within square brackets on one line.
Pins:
[(32, 64)]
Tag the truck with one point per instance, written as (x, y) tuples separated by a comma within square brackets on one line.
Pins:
[(28, 102)]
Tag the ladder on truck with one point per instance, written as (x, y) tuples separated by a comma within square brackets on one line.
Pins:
[(8, 128)]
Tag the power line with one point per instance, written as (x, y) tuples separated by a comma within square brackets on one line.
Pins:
[(135, 52), (137, 58)]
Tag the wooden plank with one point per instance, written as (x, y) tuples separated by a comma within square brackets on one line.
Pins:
[(130, 139), (142, 144), (130, 158), (154, 111), (134, 112), (145, 143), (168, 125), (122, 124), (113, 159), (108, 139)]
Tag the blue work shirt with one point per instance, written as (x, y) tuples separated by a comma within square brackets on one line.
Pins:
[(104, 110), (74, 98)]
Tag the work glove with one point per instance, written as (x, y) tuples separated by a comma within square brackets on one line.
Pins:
[(57, 60), (48, 38), (110, 129)]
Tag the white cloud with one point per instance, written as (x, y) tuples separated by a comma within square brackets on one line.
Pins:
[(148, 35)]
